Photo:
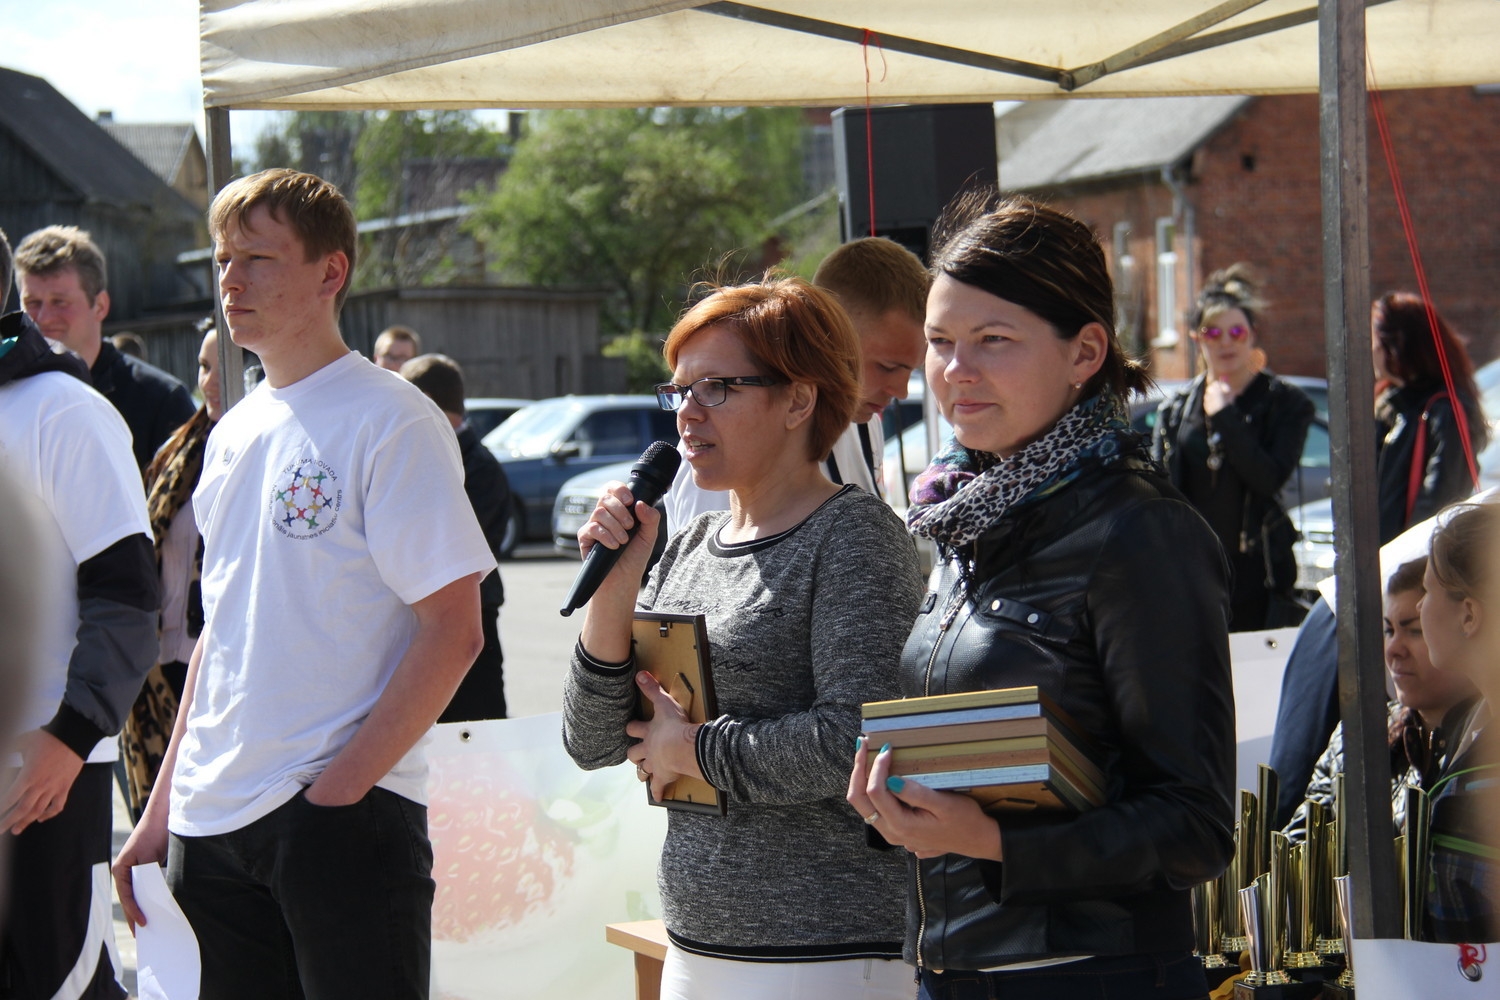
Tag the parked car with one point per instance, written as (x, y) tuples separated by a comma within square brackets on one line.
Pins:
[(553, 440), (485, 413), (576, 500)]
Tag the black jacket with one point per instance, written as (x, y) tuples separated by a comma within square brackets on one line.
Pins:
[(1111, 597), (153, 403), (1261, 436), (489, 494), (1445, 478)]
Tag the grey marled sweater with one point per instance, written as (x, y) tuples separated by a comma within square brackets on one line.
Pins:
[(803, 627)]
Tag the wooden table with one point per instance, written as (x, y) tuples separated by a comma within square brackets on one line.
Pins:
[(648, 939)]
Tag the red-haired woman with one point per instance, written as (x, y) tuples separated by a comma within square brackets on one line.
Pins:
[(1422, 467), (808, 590)]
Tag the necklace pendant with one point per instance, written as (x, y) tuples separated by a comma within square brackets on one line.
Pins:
[(1215, 461)]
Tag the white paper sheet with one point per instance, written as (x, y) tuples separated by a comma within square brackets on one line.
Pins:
[(167, 962)]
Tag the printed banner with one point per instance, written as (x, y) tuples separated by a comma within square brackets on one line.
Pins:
[(532, 857)]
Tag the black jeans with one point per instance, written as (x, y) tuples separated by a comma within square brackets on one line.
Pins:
[(55, 893), (1157, 977), (321, 902)]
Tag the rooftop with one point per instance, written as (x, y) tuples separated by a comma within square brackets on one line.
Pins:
[(1050, 143)]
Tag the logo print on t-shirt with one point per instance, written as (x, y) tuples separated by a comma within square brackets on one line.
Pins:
[(306, 499)]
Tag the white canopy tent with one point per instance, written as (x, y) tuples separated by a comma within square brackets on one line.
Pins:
[(348, 54), (326, 54)]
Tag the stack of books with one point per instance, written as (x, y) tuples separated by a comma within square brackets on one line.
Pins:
[(1010, 750)]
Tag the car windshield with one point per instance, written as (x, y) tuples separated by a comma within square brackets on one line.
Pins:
[(530, 433)]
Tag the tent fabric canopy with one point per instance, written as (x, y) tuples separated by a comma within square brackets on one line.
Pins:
[(332, 54)]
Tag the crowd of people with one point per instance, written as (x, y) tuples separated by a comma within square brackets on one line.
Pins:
[(240, 592)]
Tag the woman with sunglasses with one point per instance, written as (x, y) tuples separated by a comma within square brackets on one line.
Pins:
[(808, 590), (1230, 440)]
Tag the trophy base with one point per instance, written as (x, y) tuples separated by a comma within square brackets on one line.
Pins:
[(1246, 990), (1309, 967), (1329, 946), (1234, 944), (1338, 991)]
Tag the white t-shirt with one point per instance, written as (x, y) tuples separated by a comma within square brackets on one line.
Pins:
[(327, 507), (67, 447), (686, 499)]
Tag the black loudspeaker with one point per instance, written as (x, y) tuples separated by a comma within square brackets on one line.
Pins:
[(923, 155)]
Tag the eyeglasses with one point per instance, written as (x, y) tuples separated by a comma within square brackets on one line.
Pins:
[(1235, 332), (707, 391)]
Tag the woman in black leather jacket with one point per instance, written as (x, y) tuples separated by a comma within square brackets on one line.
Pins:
[(1230, 441), (1422, 466), (1070, 563)]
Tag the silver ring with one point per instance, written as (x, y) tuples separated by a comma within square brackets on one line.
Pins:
[(642, 773), (872, 819)]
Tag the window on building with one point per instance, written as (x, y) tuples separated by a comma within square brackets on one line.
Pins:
[(1166, 284)]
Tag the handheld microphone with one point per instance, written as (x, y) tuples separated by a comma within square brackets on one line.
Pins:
[(650, 478)]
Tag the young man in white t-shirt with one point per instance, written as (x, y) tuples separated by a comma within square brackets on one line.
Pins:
[(341, 577)]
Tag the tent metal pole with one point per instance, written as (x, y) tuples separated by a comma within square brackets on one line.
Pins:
[(220, 169), (1346, 302)]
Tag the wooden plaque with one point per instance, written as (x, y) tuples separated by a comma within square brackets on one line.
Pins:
[(674, 650)]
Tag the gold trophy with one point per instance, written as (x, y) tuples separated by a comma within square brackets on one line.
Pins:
[(1343, 988), (1208, 924), (1262, 910), (1334, 862), (1241, 873)]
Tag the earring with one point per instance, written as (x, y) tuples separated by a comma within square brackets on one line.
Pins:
[(1078, 385)]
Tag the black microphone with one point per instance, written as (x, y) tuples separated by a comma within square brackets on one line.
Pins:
[(650, 477)]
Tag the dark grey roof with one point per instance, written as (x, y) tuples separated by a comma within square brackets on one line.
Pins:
[(1048, 143), (72, 145), (160, 146)]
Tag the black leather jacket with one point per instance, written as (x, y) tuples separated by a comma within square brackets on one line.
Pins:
[(1444, 471), (1262, 434), (1111, 596)]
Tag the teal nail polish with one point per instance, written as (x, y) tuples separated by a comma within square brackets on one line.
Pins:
[(895, 783), (859, 743), (885, 748)]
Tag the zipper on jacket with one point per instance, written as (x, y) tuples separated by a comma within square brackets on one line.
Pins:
[(955, 602)]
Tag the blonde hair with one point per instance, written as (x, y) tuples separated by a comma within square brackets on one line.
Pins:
[(313, 208), (58, 248)]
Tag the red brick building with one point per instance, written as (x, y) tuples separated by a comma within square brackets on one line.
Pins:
[(1180, 187)]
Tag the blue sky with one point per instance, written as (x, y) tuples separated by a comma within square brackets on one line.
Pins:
[(137, 58)]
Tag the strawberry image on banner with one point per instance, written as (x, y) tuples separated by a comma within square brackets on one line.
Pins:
[(532, 857)]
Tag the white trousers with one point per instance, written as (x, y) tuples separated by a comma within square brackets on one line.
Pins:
[(694, 977)]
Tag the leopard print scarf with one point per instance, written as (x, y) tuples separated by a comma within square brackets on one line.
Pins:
[(963, 493)]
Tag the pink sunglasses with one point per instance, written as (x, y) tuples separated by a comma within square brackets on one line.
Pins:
[(1235, 332)]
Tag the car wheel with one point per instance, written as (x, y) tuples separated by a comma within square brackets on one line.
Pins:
[(515, 528)]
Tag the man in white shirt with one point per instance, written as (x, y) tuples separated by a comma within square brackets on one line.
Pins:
[(883, 287), (67, 452), (341, 577)]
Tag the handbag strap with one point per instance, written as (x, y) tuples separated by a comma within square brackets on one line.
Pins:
[(1419, 457)]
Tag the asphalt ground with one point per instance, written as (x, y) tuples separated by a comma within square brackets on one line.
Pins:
[(536, 640)]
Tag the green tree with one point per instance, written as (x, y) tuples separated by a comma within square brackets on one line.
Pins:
[(444, 142), (318, 142), (640, 202)]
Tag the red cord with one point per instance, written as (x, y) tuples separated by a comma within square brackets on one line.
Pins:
[(1377, 106), (864, 45)]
